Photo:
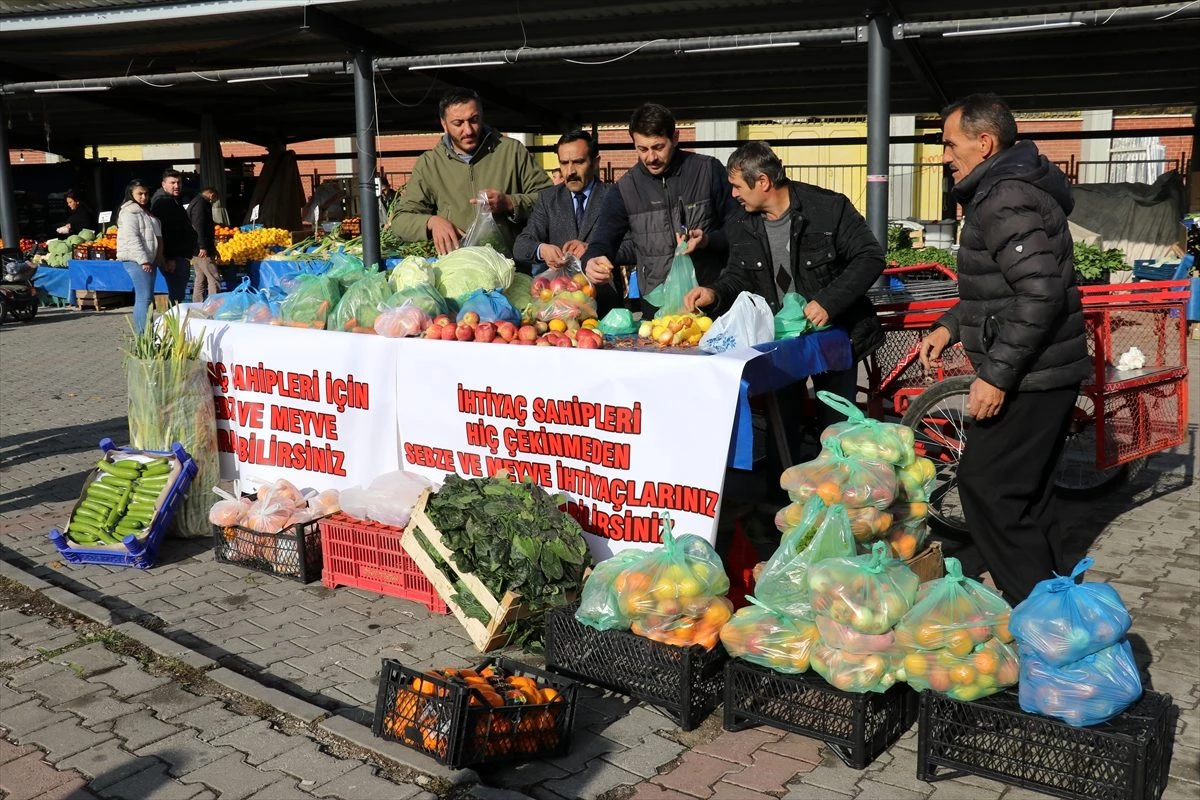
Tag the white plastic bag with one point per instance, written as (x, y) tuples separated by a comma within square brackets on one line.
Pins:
[(748, 322), (389, 499), (484, 230)]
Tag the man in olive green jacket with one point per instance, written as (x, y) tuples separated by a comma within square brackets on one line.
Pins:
[(438, 202)]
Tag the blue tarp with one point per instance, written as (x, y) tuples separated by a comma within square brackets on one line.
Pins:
[(54, 281), (784, 362), (266, 276), (107, 276)]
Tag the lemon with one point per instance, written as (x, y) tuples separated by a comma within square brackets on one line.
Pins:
[(704, 323)]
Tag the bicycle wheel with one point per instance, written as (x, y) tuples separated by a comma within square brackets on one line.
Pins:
[(938, 417), (1076, 474)]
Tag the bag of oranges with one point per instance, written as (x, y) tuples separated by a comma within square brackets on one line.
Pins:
[(838, 478), (599, 600), (866, 438), (1062, 621), (984, 670), (954, 613), (856, 672), (763, 636), (869, 593), (672, 587), (822, 533)]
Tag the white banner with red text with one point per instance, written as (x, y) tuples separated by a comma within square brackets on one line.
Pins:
[(315, 407)]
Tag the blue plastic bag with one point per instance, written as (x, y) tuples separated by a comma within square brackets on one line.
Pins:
[(491, 306), (232, 306), (1062, 621), (1092, 690)]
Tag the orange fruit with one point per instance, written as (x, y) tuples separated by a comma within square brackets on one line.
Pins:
[(557, 325), (939, 680), (985, 662), (915, 665), (904, 545), (830, 492), (959, 643), (962, 674), (929, 636)]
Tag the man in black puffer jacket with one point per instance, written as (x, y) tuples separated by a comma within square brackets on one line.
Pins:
[(793, 237), (1020, 320)]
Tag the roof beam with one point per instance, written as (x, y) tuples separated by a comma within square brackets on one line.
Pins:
[(152, 12)]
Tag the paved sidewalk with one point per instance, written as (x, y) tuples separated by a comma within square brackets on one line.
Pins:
[(63, 390)]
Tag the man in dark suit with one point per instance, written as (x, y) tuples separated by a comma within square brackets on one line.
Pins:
[(564, 215)]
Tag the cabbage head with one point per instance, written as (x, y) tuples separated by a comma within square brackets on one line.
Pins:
[(469, 268), (412, 271)]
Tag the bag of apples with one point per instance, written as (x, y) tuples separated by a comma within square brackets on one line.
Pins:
[(824, 532), (676, 593), (563, 293), (837, 478), (956, 638), (765, 636)]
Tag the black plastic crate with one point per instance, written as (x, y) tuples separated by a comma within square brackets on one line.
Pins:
[(446, 725), (294, 552), (685, 683), (1126, 758), (857, 726)]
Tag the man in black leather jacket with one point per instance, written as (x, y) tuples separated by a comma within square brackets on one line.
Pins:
[(793, 237), (1020, 320)]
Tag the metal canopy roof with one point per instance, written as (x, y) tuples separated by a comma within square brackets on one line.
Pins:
[(166, 57)]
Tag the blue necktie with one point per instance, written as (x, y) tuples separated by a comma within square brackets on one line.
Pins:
[(579, 200)]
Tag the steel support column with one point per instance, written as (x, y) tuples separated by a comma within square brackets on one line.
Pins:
[(8, 195), (365, 126), (879, 101)]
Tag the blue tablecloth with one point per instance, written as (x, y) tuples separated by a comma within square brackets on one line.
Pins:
[(54, 281), (107, 276), (783, 363)]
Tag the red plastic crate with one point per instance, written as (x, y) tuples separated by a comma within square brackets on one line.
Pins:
[(367, 555)]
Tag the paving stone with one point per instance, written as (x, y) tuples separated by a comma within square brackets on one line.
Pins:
[(597, 778), (793, 745), (97, 707), (729, 791), (74, 789), (169, 701), (871, 789), (37, 674), (284, 789), (299, 709), (29, 776), (212, 720), (737, 746), (89, 660), (183, 752), (11, 697), (141, 728), (26, 718), (836, 778), (65, 738), (107, 763), (129, 680), (308, 763), (955, 790), (231, 777), (646, 758), (362, 782), (11, 752), (769, 772), (154, 784), (63, 686), (652, 791), (696, 773), (901, 772), (259, 741), (525, 774)]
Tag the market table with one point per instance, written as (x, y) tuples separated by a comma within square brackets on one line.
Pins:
[(626, 435), (96, 275), (54, 281)]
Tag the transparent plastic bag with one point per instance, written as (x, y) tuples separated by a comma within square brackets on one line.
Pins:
[(309, 305), (685, 630), (423, 296), (789, 321), (229, 510), (325, 503), (618, 322), (856, 672), (954, 613), (264, 312), (1089, 691), (867, 524), (747, 322), (599, 602), (564, 308), (681, 279), (346, 269), (870, 593), (491, 306), (915, 482), (763, 636), (843, 637), (411, 272), (484, 230), (985, 670), (680, 578), (407, 320), (838, 478), (866, 438), (359, 306), (822, 533), (235, 303), (907, 537), (1062, 621), (389, 499)]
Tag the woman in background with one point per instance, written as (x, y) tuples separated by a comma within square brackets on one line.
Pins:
[(139, 246), (81, 217)]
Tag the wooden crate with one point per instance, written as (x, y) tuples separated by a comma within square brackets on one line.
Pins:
[(100, 301), (503, 611)]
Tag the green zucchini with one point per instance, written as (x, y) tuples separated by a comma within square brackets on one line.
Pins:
[(121, 469)]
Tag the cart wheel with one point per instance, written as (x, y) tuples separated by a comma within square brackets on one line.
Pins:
[(1076, 474), (24, 312), (938, 417)]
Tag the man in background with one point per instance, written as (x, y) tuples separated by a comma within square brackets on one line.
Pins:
[(179, 239), (439, 199), (206, 280)]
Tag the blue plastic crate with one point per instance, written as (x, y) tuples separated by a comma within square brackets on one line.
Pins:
[(140, 552), (1148, 269)]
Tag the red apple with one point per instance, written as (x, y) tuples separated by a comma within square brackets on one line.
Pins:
[(588, 340), (564, 341), (441, 319), (506, 330), (469, 318), (465, 333), (527, 333), (542, 342), (562, 284), (433, 332), (539, 284), (485, 332), (448, 332)]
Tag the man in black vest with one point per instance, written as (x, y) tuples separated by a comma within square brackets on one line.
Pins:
[(668, 191), (178, 236), (1020, 319), (793, 237)]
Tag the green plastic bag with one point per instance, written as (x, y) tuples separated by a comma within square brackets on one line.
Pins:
[(309, 304), (359, 305), (618, 322), (668, 296), (346, 269), (423, 296), (822, 533), (790, 321), (866, 438), (599, 604)]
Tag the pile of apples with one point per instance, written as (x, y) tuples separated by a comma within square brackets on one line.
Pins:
[(563, 297), (675, 330), (556, 333)]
